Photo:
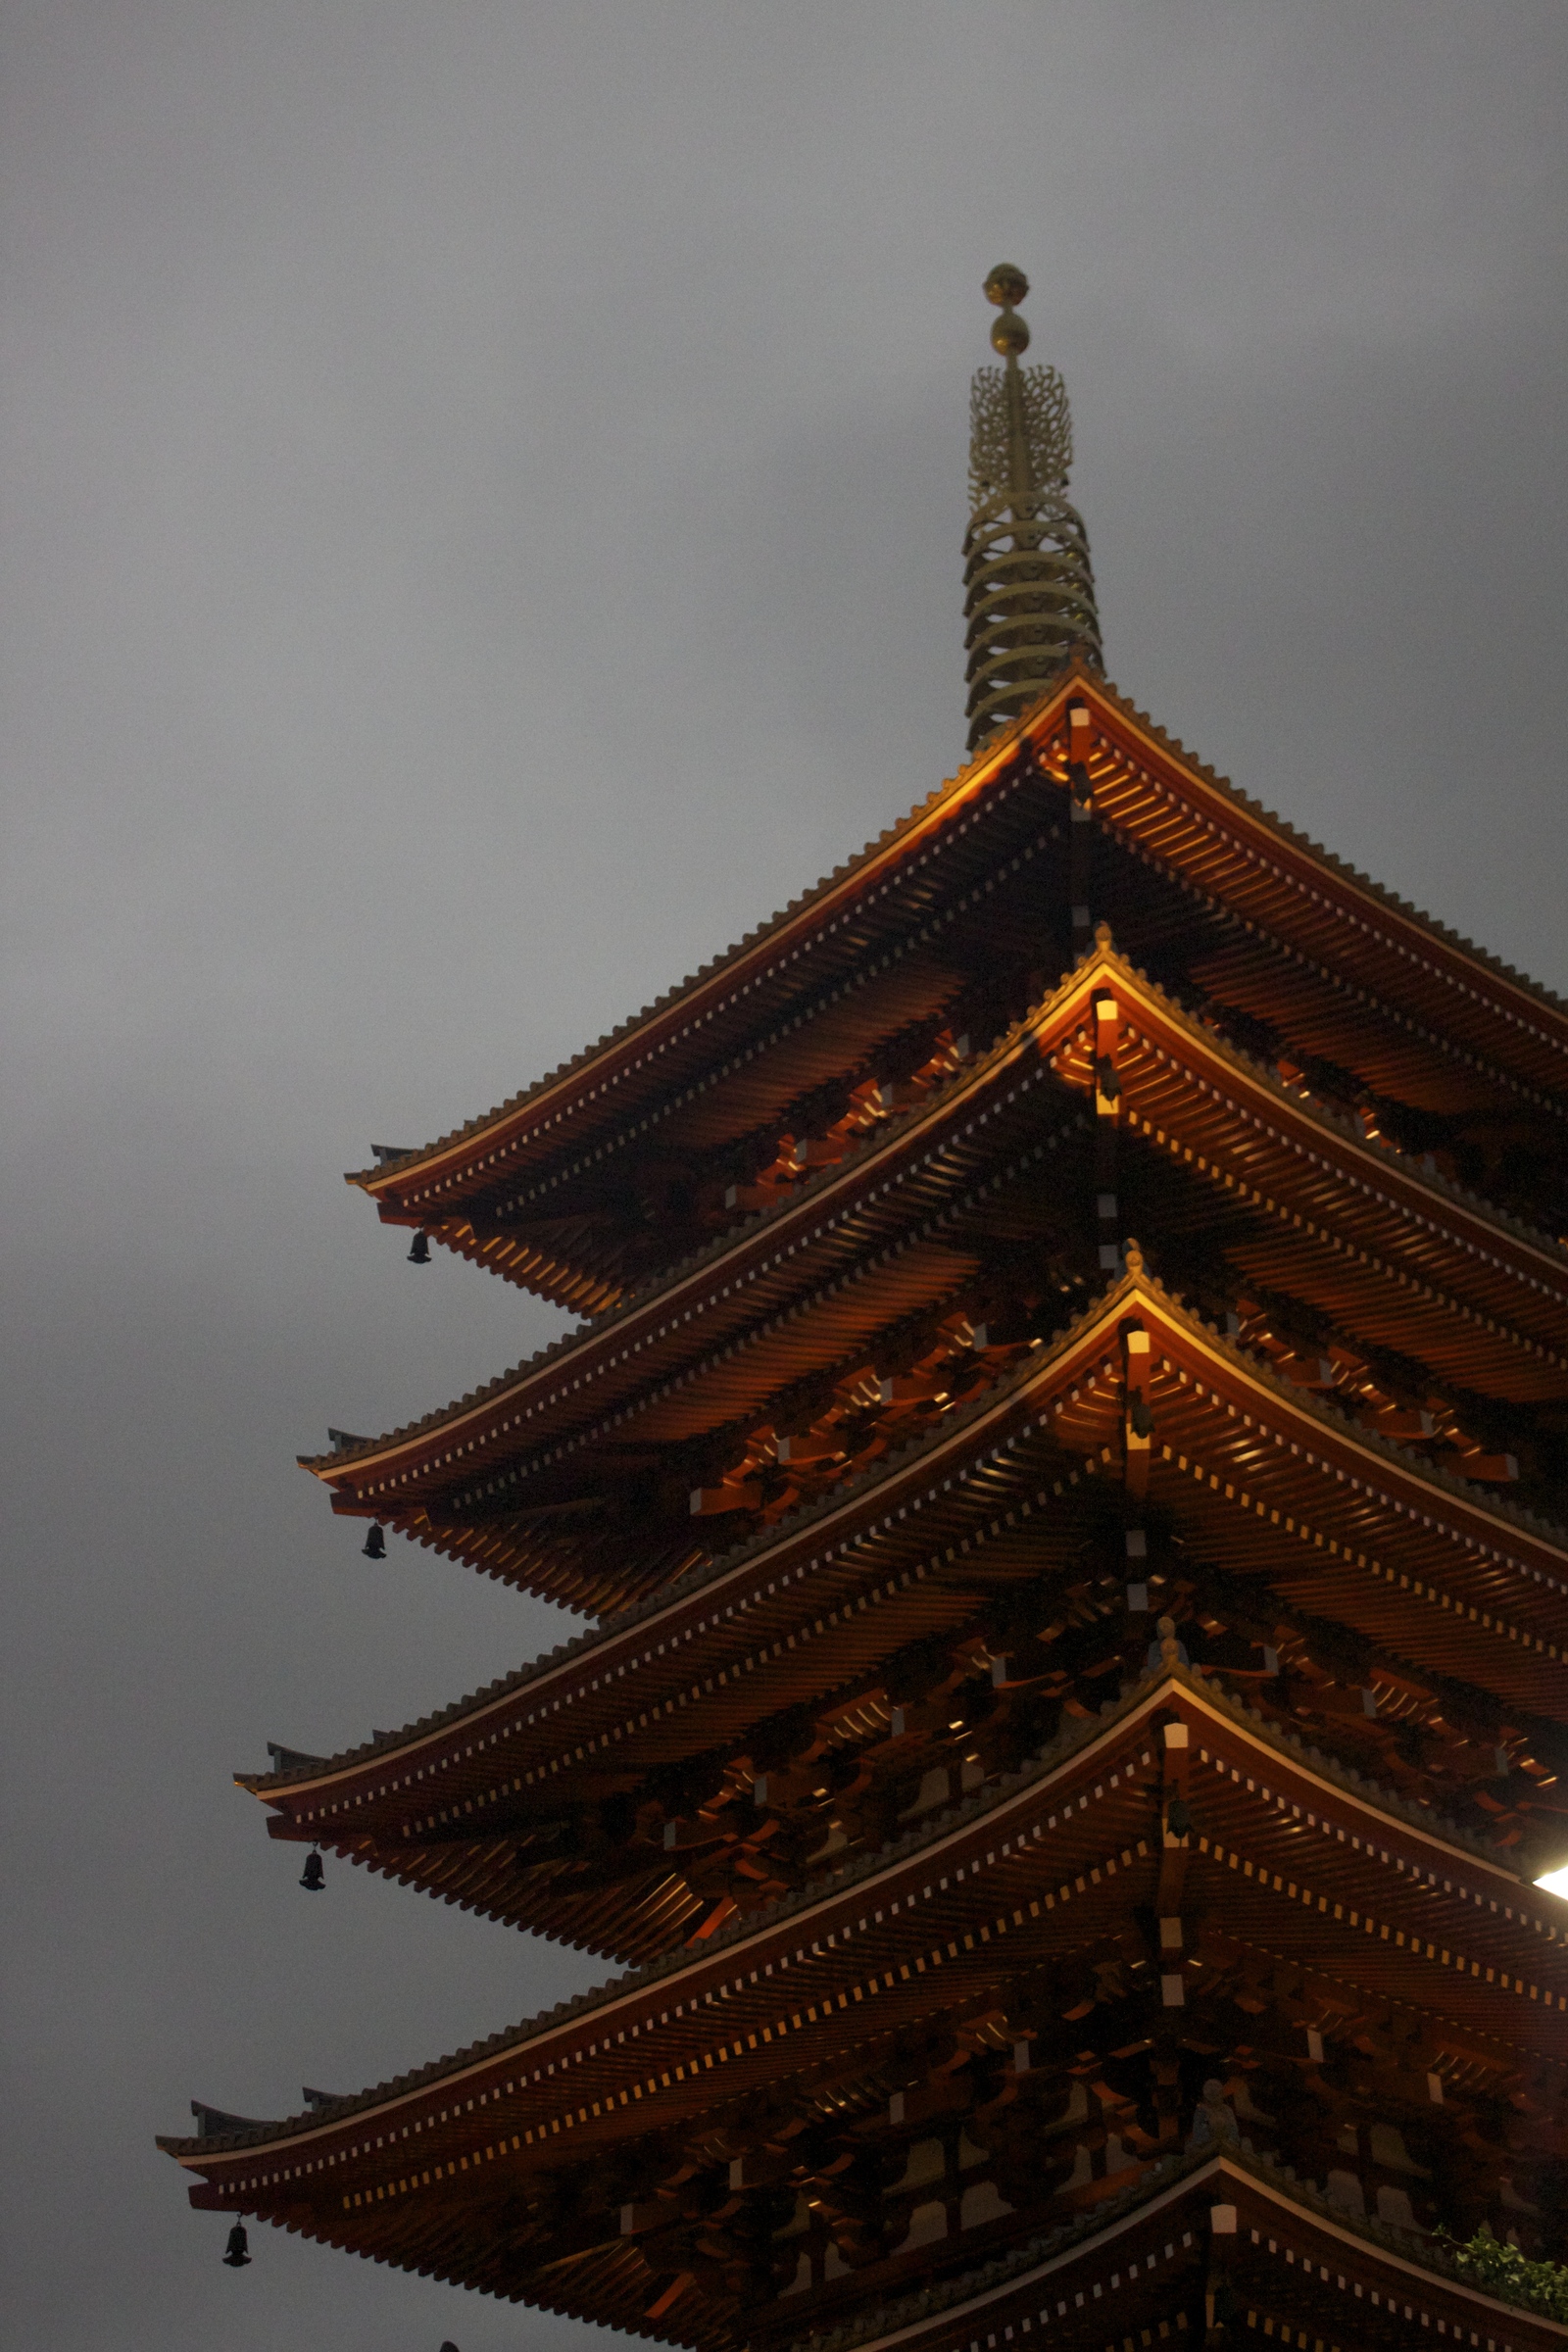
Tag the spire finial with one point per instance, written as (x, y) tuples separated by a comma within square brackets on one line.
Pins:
[(1006, 287), (1029, 589)]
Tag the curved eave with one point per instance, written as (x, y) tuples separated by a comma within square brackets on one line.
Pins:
[(690, 1289), (603, 1067), (1275, 1825), (1182, 815), (1292, 1489), (1096, 2260), (1489, 1252), (1292, 881)]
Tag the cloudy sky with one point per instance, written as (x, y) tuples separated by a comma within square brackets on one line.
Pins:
[(484, 484)]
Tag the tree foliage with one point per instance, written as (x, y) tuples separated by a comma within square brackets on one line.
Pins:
[(1501, 2270)]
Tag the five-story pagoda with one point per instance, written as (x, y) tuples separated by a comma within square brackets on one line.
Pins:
[(1069, 1721)]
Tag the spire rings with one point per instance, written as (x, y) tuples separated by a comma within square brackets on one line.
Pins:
[(1029, 603), (1029, 586)]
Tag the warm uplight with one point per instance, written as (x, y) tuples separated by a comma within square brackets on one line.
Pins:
[(1555, 1882)]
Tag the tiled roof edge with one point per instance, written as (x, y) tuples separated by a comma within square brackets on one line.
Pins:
[(1074, 1735), (1304, 842), (1257, 1367), (682, 1587), (994, 750), (1414, 2247), (1432, 1180), (709, 1253)]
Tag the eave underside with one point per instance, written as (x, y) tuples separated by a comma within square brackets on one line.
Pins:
[(1239, 1186), (535, 1802), (973, 901), (1293, 1883)]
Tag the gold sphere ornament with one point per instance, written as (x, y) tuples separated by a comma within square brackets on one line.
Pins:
[(1029, 589), (1006, 287)]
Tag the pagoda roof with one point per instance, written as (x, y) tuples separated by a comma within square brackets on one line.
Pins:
[(1268, 1480), (1290, 1855), (1488, 1522), (1345, 941), (1386, 1836), (1163, 2225), (1483, 1296)]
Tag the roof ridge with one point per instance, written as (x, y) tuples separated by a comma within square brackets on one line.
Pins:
[(1039, 1355), (1018, 735), (1433, 1179), (1417, 2248), (993, 752), (1299, 840), (900, 1123), (721, 1564), (1546, 1530), (1075, 1732), (815, 1181)]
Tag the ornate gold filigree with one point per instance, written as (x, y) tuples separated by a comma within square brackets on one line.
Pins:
[(1029, 587), (1047, 427)]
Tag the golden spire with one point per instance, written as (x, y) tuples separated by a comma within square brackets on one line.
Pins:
[(1029, 591)]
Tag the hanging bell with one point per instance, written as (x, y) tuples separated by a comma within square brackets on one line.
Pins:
[(420, 1254), (374, 1545), (314, 1878), (239, 2252), (1178, 1820)]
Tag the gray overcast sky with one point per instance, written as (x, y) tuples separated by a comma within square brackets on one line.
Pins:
[(484, 486)]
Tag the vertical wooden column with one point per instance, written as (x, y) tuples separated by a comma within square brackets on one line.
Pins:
[(1137, 1432), (1107, 1096), (1081, 838), (1175, 1840), (1137, 1421)]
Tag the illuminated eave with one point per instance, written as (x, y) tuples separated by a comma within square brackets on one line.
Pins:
[(1288, 1854), (1159, 802), (1292, 1491), (412, 1188), (1179, 1086)]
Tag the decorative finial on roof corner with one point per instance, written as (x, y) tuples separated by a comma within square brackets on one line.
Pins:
[(1133, 1258), (1029, 588), (1103, 938)]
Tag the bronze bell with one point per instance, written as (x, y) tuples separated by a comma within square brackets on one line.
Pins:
[(314, 1878), (420, 1254), (238, 2253), (374, 1545)]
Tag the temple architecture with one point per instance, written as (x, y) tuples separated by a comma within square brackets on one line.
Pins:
[(1063, 1465)]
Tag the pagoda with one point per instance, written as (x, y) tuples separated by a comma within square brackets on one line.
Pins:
[(1063, 1464)]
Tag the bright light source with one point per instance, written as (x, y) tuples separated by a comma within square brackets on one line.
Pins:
[(1555, 1882)]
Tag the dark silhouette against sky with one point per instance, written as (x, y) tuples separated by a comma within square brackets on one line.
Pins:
[(484, 491)]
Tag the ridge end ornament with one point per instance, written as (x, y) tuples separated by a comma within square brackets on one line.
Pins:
[(1029, 588)]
